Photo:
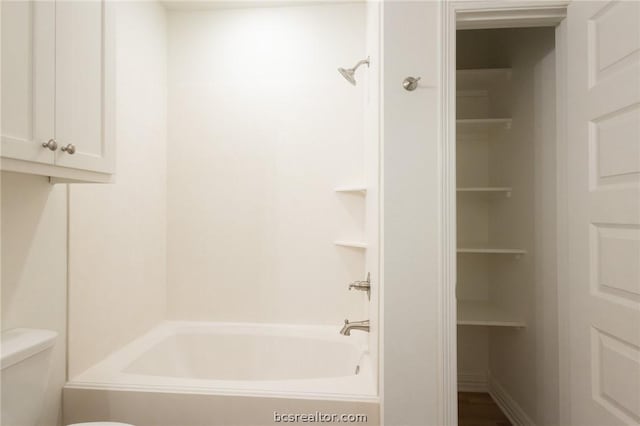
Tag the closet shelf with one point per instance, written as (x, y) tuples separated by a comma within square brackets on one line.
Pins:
[(484, 122), (351, 244), (353, 189), (484, 73), (462, 248), (485, 314), (486, 189), (482, 78)]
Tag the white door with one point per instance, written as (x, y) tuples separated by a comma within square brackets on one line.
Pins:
[(604, 204), (28, 34), (84, 82)]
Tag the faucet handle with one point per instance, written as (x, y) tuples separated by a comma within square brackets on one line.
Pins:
[(363, 285)]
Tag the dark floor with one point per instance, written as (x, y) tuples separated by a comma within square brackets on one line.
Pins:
[(478, 409)]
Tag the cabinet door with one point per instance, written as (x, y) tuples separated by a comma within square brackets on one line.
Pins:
[(28, 34), (85, 84)]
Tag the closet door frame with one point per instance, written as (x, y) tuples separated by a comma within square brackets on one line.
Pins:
[(456, 15)]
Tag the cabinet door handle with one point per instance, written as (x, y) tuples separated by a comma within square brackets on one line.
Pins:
[(51, 144), (69, 149)]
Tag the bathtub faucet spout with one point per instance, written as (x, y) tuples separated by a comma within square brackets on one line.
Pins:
[(354, 325)]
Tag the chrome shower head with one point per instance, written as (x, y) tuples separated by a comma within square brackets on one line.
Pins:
[(349, 74)]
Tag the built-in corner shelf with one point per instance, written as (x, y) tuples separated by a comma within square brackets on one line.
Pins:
[(484, 122), (352, 189), (485, 314), (358, 190), (489, 250), (487, 190), (351, 244)]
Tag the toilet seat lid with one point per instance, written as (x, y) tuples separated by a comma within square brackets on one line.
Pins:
[(100, 424)]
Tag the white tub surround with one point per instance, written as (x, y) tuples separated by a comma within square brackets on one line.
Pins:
[(178, 360)]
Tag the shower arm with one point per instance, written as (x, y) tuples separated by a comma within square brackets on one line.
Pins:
[(361, 62)]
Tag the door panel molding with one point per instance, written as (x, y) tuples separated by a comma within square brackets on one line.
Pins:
[(603, 134)]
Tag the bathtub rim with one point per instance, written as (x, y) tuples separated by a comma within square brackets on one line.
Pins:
[(192, 390)]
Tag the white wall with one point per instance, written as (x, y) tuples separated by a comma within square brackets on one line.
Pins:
[(34, 269), (262, 129), (410, 238), (117, 233)]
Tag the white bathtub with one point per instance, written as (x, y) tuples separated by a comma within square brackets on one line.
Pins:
[(297, 367)]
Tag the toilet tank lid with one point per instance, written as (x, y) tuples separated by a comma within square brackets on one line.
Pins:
[(18, 344)]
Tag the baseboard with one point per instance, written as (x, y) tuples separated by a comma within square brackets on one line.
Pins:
[(508, 405), (472, 382)]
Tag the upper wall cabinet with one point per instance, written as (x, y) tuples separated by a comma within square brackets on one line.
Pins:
[(58, 89)]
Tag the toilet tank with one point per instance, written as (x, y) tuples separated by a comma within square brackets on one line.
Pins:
[(25, 361)]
